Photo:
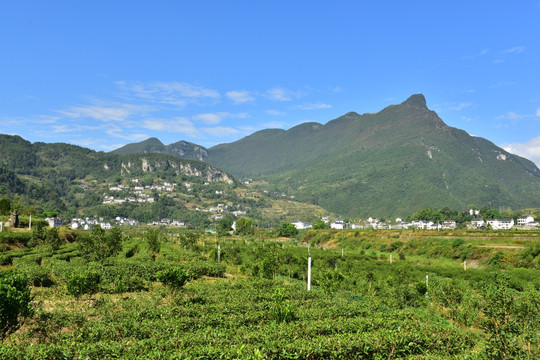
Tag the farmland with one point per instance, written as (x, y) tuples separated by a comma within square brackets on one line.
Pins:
[(187, 295)]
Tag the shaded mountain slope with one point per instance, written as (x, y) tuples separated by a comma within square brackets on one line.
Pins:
[(390, 163)]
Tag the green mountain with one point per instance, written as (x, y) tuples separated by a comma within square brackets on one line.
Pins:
[(72, 179), (76, 182), (393, 162), (181, 149)]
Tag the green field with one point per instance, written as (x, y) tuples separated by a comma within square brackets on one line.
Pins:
[(164, 295)]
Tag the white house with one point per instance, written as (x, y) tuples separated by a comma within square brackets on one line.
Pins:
[(525, 220), (501, 224), (449, 224), (338, 224), (302, 225), (54, 221)]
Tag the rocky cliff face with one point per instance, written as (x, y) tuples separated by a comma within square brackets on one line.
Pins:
[(204, 171)]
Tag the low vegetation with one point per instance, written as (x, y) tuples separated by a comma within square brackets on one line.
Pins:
[(138, 300)]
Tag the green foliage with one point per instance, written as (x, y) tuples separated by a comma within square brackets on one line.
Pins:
[(245, 226), (173, 277), (5, 206), (101, 244), (287, 230), (153, 241), (224, 226), (14, 302), (500, 324), (282, 310), (319, 224), (87, 282)]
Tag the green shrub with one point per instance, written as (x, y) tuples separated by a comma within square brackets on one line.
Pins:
[(87, 282), (174, 278), (14, 302)]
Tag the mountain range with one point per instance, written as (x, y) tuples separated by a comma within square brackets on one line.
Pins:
[(388, 163)]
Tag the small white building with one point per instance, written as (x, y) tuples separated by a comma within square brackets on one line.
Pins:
[(501, 224), (54, 221), (300, 225), (338, 224), (525, 220)]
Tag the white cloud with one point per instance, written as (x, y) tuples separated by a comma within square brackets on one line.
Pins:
[(167, 93), (208, 118), (221, 131), (529, 150), (514, 50), (239, 96), (479, 54), (316, 106), (515, 117), (280, 94), (117, 113), (459, 106), (275, 112), (178, 125), (215, 118), (274, 125)]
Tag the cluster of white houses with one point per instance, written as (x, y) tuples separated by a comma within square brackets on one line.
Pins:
[(90, 223), (523, 222)]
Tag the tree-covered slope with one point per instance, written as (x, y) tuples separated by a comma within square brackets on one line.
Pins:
[(181, 149), (390, 163)]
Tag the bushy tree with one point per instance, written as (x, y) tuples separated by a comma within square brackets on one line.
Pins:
[(100, 244), (245, 226), (174, 278), (153, 239), (14, 302), (287, 230), (224, 226), (5, 206)]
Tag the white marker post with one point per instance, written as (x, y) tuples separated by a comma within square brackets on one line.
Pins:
[(427, 284), (390, 258), (30, 223), (219, 253), (465, 265), (309, 273), (341, 252)]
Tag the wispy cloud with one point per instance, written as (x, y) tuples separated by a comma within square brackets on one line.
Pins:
[(216, 118), (221, 131), (316, 106), (177, 125), (478, 54), (514, 50), (240, 96), (515, 116), (174, 93), (117, 113), (459, 106), (275, 112), (529, 150), (281, 94)]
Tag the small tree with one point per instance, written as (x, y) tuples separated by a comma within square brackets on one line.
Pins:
[(174, 278), (100, 245), (153, 239), (287, 230), (224, 226), (14, 302), (245, 226)]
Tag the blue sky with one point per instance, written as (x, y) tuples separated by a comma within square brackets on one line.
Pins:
[(102, 74)]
